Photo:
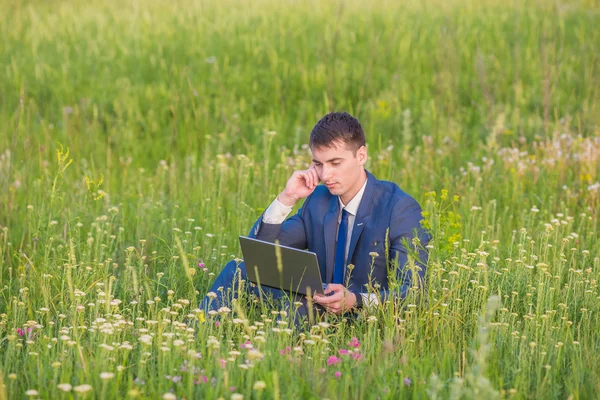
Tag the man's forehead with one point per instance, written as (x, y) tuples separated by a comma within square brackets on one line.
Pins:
[(325, 154)]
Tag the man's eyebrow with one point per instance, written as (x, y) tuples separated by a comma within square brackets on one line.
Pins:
[(328, 161)]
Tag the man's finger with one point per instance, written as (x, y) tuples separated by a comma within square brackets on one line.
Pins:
[(312, 179), (316, 176), (337, 309), (332, 309), (334, 287), (328, 299), (308, 179)]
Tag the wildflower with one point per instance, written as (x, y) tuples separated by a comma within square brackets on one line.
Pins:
[(65, 387), (254, 354), (259, 385), (333, 360), (354, 342), (146, 339), (31, 392), (407, 381), (82, 388), (106, 375), (200, 264), (237, 396), (126, 346), (338, 374), (169, 396), (247, 345)]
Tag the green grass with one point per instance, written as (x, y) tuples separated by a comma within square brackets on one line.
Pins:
[(138, 139)]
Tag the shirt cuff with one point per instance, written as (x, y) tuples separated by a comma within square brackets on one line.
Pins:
[(276, 213)]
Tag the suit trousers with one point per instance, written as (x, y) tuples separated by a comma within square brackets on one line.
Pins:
[(227, 287)]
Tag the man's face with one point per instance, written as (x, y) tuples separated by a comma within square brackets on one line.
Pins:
[(340, 169)]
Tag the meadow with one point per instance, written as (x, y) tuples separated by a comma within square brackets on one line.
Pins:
[(139, 139)]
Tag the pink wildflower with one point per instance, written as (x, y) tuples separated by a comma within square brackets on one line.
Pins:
[(343, 351), (333, 360), (354, 342), (338, 374)]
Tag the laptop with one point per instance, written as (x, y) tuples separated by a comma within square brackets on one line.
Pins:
[(281, 267)]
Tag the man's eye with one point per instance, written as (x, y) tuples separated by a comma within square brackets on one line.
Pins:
[(335, 164)]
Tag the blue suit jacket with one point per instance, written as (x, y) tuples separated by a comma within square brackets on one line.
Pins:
[(384, 207)]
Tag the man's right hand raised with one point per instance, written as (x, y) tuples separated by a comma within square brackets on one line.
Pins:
[(300, 185)]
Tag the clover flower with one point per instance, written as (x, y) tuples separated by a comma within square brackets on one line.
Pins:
[(333, 360)]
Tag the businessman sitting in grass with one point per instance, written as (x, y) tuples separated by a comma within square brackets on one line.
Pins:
[(358, 226)]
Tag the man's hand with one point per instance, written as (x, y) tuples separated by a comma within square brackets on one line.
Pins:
[(300, 185), (340, 301)]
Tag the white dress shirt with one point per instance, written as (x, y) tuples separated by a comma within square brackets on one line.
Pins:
[(278, 212)]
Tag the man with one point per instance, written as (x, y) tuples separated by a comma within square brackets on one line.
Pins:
[(349, 222)]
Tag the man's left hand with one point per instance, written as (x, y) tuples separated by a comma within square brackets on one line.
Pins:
[(340, 301)]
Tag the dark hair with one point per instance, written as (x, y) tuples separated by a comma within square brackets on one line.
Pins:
[(337, 126)]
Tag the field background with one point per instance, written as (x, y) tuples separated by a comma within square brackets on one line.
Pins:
[(138, 139)]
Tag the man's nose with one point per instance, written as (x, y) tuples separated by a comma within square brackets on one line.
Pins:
[(325, 174)]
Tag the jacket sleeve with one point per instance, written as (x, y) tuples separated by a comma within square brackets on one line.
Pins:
[(290, 233), (404, 228)]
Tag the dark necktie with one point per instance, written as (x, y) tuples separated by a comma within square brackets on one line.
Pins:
[(340, 249)]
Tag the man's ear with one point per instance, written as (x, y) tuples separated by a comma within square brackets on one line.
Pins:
[(361, 154)]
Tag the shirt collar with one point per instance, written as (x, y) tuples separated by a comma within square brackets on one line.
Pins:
[(352, 206)]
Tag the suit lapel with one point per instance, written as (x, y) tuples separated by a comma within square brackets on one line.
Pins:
[(330, 230), (364, 209)]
